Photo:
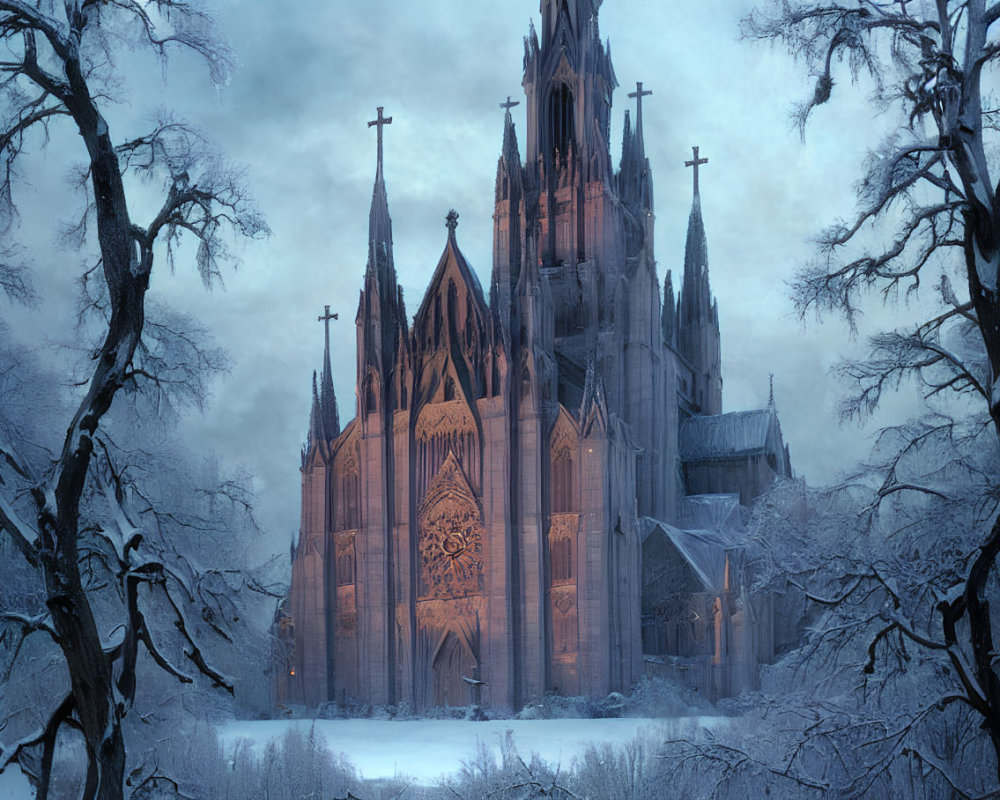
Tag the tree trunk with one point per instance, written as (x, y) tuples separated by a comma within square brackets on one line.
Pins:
[(96, 704), (981, 635)]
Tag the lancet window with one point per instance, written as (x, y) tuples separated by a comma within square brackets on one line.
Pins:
[(562, 560), (349, 503), (563, 499), (561, 117), (344, 568)]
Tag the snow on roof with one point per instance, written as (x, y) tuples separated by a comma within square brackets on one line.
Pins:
[(711, 512), (719, 530), (738, 433)]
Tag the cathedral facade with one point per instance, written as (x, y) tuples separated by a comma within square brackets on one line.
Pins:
[(473, 534)]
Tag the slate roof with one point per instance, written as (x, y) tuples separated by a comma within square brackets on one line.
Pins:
[(732, 435)]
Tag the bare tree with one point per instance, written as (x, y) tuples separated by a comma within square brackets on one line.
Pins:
[(57, 63), (931, 184)]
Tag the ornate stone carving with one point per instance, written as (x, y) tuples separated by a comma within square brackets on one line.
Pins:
[(436, 615), (563, 598), (347, 454), (451, 535), (343, 543), (439, 419), (346, 622), (563, 526), (565, 439)]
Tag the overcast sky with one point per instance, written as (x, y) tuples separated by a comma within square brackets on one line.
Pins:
[(310, 76)]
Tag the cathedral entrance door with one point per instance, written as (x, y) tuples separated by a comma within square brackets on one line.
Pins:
[(453, 660)]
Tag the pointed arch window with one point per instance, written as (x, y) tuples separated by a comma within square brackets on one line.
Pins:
[(562, 130), (350, 519), (563, 496), (344, 568), (562, 560), (449, 388)]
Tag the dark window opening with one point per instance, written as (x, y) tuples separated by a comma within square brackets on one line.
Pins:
[(562, 560), (349, 489), (345, 569), (562, 485), (562, 131)]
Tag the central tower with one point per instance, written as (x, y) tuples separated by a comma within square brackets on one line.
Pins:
[(568, 83)]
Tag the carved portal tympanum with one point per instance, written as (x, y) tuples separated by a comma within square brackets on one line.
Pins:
[(451, 536)]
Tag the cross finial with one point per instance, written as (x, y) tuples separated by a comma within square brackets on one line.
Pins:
[(327, 316), (638, 94), (380, 122), (770, 399), (510, 104), (694, 162), (451, 221)]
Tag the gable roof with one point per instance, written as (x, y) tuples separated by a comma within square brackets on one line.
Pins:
[(453, 264), (732, 435)]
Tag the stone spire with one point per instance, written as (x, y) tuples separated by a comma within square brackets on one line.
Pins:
[(380, 264), (509, 154), (380, 310), (507, 221), (668, 319), (315, 435), (698, 320), (627, 178), (696, 294), (635, 184), (329, 417)]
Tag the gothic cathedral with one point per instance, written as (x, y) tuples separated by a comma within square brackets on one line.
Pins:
[(476, 532)]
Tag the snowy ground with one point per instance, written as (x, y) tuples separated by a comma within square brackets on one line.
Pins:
[(428, 749)]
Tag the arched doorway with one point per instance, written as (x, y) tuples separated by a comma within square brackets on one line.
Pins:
[(452, 661)]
